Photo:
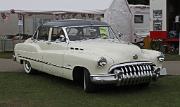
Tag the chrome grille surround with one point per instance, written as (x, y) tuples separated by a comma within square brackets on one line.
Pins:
[(134, 73)]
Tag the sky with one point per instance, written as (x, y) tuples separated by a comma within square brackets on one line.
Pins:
[(51, 5)]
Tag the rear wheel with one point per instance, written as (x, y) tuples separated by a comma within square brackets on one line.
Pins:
[(88, 85), (27, 67)]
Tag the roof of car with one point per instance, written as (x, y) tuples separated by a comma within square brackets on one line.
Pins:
[(66, 23)]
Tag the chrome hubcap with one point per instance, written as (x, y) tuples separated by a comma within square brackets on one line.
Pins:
[(27, 66)]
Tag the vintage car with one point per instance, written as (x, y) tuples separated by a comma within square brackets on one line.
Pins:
[(90, 53)]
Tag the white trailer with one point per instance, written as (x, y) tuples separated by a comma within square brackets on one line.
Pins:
[(141, 21)]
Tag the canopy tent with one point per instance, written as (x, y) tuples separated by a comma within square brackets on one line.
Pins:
[(116, 12), (119, 16), (54, 5)]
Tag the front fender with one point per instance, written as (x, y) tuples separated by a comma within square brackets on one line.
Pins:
[(151, 55), (86, 60)]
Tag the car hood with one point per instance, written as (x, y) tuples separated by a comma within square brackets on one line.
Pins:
[(118, 51)]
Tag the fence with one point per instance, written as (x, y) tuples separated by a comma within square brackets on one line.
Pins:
[(7, 45)]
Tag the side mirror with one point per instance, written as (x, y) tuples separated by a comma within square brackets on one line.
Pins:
[(62, 38)]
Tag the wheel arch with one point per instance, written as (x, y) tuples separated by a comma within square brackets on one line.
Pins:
[(21, 61), (78, 73)]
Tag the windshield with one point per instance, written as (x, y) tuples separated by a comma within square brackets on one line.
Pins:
[(90, 32)]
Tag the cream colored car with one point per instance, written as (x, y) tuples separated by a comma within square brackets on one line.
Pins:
[(90, 53)]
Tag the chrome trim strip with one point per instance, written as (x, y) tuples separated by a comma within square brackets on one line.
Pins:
[(126, 64), (47, 63)]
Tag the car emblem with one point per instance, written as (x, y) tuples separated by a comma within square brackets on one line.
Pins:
[(135, 57)]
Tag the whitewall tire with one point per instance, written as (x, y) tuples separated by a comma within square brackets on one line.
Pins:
[(88, 85), (27, 67)]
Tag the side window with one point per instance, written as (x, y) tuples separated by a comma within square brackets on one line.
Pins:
[(75, 33), (72, 31), (58, 35), (43, 33)]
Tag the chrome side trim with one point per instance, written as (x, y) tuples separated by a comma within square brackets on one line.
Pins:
[(47, 63)]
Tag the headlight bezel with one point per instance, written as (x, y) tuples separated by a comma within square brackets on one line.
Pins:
[(102, 62), (161, 58)]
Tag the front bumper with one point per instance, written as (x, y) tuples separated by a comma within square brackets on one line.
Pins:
[(163, 72), (128, 79)]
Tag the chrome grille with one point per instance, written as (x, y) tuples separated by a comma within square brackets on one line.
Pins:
[(134, 73)]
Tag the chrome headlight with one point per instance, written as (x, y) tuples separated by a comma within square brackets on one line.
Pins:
[(102, 62), (161, 58)]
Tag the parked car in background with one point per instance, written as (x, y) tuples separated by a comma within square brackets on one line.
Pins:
[(90, 53)]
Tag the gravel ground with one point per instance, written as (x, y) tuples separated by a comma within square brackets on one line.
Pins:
[(8, 65), (172, 67)]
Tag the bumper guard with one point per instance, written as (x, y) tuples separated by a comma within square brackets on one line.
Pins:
[(121, 79)]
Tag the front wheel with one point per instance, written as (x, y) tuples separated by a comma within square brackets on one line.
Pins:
[(88, 85), (27, 67)]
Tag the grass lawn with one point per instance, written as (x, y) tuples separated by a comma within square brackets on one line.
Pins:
[(6, 55), (42, 90)]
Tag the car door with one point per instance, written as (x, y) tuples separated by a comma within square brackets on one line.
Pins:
[(35, 55), (54, 50), (40, 40)]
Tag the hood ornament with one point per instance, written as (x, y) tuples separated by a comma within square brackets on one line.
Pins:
[(135, 57)]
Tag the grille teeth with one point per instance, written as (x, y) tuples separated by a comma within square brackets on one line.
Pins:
[(135, 73)]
